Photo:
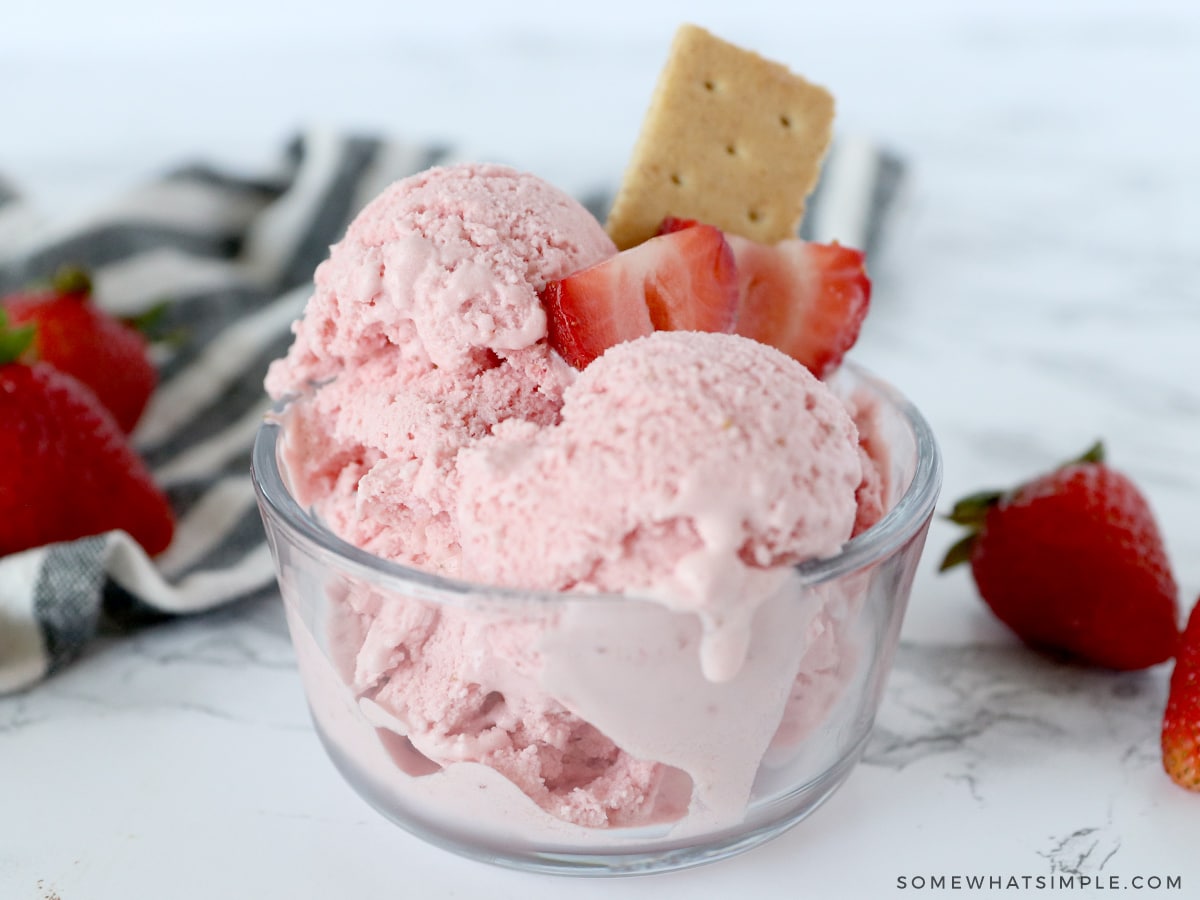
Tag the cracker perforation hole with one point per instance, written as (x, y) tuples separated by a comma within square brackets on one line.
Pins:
[(731, 150), (785, 121), (675, 178), (752, 215), (710, 85)]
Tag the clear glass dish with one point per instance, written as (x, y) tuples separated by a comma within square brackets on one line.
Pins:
[(721, 767)]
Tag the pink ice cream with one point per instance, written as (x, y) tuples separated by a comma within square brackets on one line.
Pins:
[(424, 332), (431, 423), (685, 466)]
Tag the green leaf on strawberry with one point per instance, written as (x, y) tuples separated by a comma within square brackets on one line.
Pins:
[(13, 341)]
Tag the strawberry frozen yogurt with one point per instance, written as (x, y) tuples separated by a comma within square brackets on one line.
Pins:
[(665, 494)]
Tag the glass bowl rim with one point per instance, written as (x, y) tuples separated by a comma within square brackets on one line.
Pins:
[(902, 522)]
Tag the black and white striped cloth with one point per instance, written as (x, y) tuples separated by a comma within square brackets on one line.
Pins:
[(233, 256)]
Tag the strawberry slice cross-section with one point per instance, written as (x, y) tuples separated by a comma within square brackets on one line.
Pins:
[(806, 299), (682, 281)]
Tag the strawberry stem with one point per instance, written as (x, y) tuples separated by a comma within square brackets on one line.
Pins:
[(13, 341), (1093, 454), (152, 324), (970, 512), (960, 552), (72, 281), (149, 320), (973, 509)]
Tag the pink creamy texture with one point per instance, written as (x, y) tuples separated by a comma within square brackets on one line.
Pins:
[(465, 687), (425, 330), (684, 466), (872, 494), (430, 423)]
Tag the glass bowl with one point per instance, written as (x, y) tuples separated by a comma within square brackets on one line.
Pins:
[(605, 749)]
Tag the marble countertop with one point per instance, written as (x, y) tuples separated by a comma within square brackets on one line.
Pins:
[(1040, 287)]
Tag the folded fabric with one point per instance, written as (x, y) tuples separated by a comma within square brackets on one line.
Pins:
[(233, 257)]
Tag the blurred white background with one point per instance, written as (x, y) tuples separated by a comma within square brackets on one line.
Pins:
[(95, 94)]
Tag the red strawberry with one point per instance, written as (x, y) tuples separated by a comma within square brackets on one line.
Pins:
[(684, 281), (66, 468), (1073, 562), (1181, 722), (76, 337), (674, 223), (583, 319), (808, 300)]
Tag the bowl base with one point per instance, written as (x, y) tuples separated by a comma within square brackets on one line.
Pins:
[(643, 857)]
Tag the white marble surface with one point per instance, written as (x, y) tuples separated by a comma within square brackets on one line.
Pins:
[(1041, 287)]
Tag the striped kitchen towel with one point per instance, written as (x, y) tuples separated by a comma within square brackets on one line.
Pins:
[(233, 257)]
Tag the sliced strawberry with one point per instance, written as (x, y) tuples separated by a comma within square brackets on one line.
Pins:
[(683, 281), (807, 299), (672, 223), (585, 315)]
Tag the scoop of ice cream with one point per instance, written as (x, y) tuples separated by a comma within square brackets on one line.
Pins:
[(687, 466), (439, 269), (423, 333)]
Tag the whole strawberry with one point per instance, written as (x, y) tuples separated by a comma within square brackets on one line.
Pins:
[(1074, 564), (1181, 722), (66, 468), (76, 337)]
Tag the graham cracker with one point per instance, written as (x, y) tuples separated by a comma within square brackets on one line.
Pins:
[(730, 138)]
